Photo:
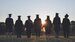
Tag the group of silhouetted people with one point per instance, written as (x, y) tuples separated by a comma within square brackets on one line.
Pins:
[(37, 25)]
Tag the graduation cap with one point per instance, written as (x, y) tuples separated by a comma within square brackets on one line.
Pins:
[(28, 16), (66, 15), (10, 14), (48, 16), (57, 13), (37, 14), (19, 16)]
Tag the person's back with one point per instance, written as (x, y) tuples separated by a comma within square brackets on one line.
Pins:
[(66, 26), (19, 27), (56, 23), (9, 25), (48, 26), (37, 25), (29, 27), (28, 24), (66, 22), (1, 29)]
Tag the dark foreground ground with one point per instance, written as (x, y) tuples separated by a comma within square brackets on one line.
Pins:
[(43, 38)]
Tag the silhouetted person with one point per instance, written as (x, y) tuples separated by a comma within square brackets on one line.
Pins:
[(0, 29), (37, 25), (9, 25), (48, 26), (57, 23), (19, 27), (29, 27), (66, 26)]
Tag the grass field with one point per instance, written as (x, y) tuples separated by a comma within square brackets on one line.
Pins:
[(43, 38)]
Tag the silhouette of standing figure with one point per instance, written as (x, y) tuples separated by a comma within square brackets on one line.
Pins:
[(57, 23), (19, 27), (48, 26), (37, 25), (0, 29), (9, 25), (28, 26), (66, 26)]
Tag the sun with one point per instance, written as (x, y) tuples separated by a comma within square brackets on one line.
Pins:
[(43, 23)]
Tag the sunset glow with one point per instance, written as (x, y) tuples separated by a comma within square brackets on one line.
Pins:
[(43, 23), (43, 29)]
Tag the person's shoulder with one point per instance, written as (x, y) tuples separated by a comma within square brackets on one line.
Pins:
[(54, 17), (46, 20), (39, 18), (26, 20), (16, 20), (31, 20), (21, 20), (63, 18), (7, 18), (35, 19), (68, 19), (59, 17)]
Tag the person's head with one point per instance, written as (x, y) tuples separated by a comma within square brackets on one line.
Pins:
[(28, 17), (66, 16), (37, 16), (10, 15), (48, 17), (19, 17), (57, 14)]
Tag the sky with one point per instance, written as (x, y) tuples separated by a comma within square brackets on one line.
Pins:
[(33, 7)]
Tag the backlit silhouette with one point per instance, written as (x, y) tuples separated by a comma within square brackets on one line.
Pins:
[(37, 25), (48, 26), (9, 25), (57, 23), (19, 27), (66, 26), (29, 27)]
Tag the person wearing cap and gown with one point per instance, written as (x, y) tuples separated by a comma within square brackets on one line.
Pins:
[(48, 26), (29, 27), (66, 26), (19, 27), (57, 23), (9, 25), (37, 25)]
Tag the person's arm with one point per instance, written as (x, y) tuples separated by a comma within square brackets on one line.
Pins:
[(59, 21), (69, 22), (22, 29), (6, 21), (25, 25)]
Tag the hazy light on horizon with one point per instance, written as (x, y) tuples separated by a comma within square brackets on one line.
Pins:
[(33, 7)]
